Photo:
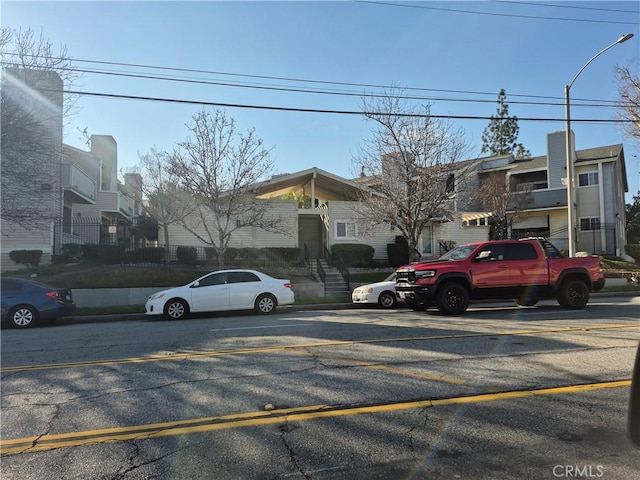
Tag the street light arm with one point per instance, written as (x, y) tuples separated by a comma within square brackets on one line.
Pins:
[(568, 149), (624, 38)]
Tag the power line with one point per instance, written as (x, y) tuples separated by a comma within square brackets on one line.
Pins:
[(301, 80), (601, 104), (574, 7), (534, 17), (315, 110)]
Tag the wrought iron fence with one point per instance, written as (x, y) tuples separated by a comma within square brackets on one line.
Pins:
[(112, 243)]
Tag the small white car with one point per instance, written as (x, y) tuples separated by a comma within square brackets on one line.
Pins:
[(381, 293), (222, 290)]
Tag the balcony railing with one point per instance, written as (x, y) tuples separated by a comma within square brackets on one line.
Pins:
[(75, 180)]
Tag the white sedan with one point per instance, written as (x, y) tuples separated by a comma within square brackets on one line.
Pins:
[(381, 293), (222, 290)]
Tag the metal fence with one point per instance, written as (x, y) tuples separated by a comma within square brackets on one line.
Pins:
[(112, 242)]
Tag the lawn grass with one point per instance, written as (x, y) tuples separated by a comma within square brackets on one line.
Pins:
[(87, 275)]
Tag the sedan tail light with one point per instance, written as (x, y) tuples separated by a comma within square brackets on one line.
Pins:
[(287, 285), (54, 294)]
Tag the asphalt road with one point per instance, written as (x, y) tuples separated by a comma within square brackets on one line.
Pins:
[(500, 392)]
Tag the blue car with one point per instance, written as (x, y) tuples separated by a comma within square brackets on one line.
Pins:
[(26, 303)]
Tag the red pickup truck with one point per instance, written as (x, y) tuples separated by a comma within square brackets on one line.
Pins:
[(526, 270)]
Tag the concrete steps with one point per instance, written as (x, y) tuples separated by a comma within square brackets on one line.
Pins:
[(334, 283)]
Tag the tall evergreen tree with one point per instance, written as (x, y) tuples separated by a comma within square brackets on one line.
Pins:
[(501, 135)]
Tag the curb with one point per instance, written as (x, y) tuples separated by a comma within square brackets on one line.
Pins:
[(119, 317)]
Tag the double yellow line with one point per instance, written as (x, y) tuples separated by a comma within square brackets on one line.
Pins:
[(253, 419), (280, 348)]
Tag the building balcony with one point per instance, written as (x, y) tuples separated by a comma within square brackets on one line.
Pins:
[(549, 198), (116, 204), (78, 187)]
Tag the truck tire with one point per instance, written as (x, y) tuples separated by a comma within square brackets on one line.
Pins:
[(452, 298), (573, 294)]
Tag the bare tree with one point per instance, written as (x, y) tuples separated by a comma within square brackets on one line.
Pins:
[(411, 166), (628, 83), (24, 49), (504, 201), (163, 200), (30, 148), (32, 116), (220, 167)]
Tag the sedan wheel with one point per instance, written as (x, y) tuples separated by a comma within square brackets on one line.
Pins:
[(265, 304), (23, 317), (387, 300), (176, 309)]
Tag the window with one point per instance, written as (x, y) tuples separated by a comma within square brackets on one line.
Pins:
[(520, 251), (590, 223), (495, 252), (427, 240), (451, 184), (589, 178), (242, 277), (213, 279), (345, 230)]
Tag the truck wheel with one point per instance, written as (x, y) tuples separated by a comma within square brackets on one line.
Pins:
[(573, 294), (452, 299)]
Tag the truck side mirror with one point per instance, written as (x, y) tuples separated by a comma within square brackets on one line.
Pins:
[(483, 256), (633, 425)]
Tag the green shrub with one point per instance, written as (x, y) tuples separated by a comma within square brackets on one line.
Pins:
[(91, 252), (72, 250), (30, 258), (633, 250), (211, 254), (353, 254), (187, 255), (145, 255), (110, 254)]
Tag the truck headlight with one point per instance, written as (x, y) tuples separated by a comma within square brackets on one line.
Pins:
[(425, 274)]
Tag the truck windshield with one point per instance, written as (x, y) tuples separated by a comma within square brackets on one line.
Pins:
[(459, 253)]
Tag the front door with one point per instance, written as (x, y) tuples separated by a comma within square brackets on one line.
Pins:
[(311, 234)]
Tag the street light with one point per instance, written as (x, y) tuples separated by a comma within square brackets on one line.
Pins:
[(570, 179)]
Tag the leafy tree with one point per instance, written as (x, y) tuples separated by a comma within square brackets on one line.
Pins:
[(633, 220), (501, 135), (409, 165), (628, 83), (220, 168)]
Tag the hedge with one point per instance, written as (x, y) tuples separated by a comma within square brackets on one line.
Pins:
[(30, 258), (353, 254)]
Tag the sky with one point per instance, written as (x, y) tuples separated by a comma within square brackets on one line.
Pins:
[(308, 64)]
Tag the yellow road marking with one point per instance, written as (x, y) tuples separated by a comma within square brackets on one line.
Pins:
[(252, 419), (247, 351)]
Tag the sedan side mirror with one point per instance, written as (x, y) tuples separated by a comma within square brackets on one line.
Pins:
[(195, 285), (633, 426)]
